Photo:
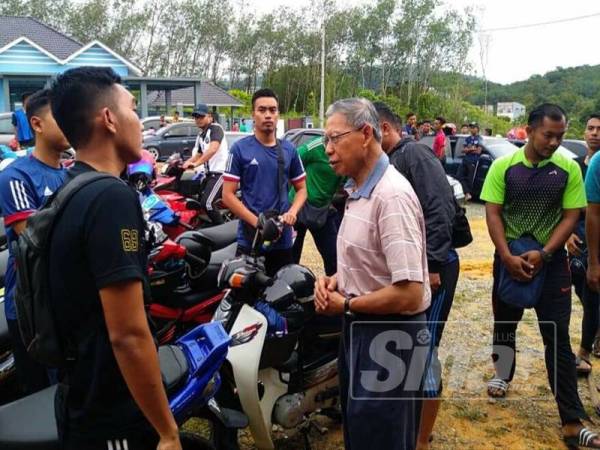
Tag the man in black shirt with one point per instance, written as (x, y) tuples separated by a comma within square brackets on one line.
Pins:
[(112, 395)]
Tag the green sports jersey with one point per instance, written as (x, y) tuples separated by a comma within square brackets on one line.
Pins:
[(533, 198), (321, 181)]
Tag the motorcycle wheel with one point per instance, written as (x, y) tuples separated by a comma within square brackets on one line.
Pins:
[(193, 441)]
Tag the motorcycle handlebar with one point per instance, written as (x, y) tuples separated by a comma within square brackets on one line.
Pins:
[(263, 280)]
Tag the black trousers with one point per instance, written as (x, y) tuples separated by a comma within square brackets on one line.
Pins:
[(211, 193), (31, 375), (590, 301), (325, 241), (142, 442), (381, 367), (465, 174), (553, 308), (437, 315)]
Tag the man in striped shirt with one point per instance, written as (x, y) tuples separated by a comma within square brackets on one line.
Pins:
[(381, 285)]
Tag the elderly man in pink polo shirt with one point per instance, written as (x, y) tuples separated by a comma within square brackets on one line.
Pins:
[(381, 286)]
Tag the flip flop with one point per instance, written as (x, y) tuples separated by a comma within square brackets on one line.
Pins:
[(497, 384), (583, 371), (584, 439)]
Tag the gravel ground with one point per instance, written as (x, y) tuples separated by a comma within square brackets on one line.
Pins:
[(527, 419)]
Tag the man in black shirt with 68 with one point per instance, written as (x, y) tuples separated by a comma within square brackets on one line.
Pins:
[(112, 396)]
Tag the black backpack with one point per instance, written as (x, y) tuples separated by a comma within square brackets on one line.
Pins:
[(35, 316)]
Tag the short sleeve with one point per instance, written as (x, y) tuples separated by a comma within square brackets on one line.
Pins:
[(494, 185), (574, 195), (216, 133), (296, 168), (114, 237), (233, 171), (592, 180), (17, 197), (402, 238)]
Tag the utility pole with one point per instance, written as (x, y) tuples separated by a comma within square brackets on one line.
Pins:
[(322, 99)]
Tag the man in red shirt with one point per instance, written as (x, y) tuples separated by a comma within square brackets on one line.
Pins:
[(439, 143)]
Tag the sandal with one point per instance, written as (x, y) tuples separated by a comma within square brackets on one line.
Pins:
[(585, 371), (585, 438), (497, 384)]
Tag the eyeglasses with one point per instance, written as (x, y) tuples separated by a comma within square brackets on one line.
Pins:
[(334, 140)]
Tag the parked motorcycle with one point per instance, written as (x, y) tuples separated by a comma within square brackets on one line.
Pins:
[(181, 190), (290, 369), (183, 277), (190, 373)]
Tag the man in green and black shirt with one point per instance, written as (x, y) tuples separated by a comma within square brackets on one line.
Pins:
[(537, 192), (322, 183)]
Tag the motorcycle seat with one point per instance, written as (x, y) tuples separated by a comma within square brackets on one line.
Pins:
[(194, 205), (173, 366), (210, 276), (29, 423), (221, 235)]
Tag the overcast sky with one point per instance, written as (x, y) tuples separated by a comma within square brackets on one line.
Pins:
[(517, 54)]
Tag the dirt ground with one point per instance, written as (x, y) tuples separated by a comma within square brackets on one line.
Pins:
[(528, 418)]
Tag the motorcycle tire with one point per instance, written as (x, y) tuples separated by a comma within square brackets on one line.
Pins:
[(193, 441)]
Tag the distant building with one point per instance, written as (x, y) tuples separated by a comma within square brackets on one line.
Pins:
[(32, 52), (512, 110), (488, 109)]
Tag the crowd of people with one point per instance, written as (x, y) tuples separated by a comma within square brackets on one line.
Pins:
[(388, 246)]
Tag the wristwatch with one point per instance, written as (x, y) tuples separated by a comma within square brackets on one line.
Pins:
[(546, 257), (347, 310)]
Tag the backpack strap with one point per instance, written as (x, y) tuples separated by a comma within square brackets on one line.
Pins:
[(280, 173), (69, 189)]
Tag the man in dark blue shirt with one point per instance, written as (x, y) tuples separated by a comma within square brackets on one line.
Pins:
[(253, 165), (24, 187), (472, 150), (112, 395)]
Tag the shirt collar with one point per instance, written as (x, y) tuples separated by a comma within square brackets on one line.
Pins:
[(366, 189)]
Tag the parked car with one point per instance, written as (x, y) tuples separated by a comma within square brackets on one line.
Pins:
[(493, 148), (299, 136), (7, 131), (178, 137), (234, 136), (576, 146)]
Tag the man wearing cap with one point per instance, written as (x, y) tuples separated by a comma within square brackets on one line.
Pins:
[(212, 152), (472, 150)]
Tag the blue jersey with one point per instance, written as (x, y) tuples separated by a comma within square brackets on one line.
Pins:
[(254, 166), (24, 186)]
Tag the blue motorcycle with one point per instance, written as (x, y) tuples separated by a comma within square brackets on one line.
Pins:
[(190, 372)]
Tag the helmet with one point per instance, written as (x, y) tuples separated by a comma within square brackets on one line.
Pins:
[(300, 279), (140, 173)]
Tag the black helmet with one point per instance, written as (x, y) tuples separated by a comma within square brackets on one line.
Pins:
[(300, 279)]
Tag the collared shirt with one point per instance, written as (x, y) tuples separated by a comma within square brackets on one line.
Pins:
[(382, 236), (533, 197)]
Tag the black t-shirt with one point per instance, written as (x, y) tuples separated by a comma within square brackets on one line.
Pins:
[(97, 241)]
